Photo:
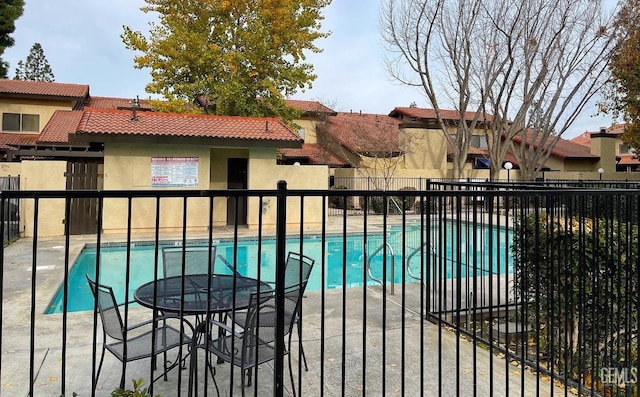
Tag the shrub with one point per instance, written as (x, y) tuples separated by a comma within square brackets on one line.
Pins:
[(430, 205), (579, 280), (409, 200), (376, 204), (395, 204), (338, 201)]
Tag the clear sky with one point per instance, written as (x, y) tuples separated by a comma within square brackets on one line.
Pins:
[(81, 40)]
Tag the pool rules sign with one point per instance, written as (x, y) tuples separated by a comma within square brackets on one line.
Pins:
[(174, 171)]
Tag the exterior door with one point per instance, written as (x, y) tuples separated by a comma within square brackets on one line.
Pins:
[(237, 179)]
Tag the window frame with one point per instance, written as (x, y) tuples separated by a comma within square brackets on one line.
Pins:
[(33, 122), (481, 141), (626, 147)]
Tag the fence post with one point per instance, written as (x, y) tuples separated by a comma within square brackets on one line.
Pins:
[(281, 241), (3, 236)]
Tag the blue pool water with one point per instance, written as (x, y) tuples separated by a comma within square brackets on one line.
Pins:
[(474, 248)]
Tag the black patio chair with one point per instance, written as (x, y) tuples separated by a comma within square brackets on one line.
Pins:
[(131, 344), (196, 260), (252, 342), (297, 271)]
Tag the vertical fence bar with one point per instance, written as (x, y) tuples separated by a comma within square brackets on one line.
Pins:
[(34, 264), (365, 276), (236, 214), (301, 250), (343, 325), (281, 242), (2, 237), (94, 380), (383, 362), (322, 294), (65, 295)]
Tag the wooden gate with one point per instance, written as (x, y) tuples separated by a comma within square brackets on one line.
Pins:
[(11, 209), (83, 216)]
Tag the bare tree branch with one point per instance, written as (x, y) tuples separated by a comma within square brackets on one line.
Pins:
[(509, 67), (370, 143)]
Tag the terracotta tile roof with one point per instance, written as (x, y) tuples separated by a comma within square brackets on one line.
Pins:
[(43, 88), (423, 114), (585, 137), (362, 132), (113, 103), (61, 124), (9, 139), (105, 122), (564, 149), (315, 154), (616, 129), (628, 159), (309, 106)]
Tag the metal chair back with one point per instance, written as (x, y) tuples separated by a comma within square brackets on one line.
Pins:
[(108, 308), (298, 269), (179, 260)]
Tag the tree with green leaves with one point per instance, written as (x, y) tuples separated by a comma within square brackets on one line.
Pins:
[(243, 56), (36, 67), (10, 10), (622, 97)]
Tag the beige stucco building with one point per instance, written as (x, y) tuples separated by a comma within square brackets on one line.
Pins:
[(59, 137), (115, 144), (414, 146)]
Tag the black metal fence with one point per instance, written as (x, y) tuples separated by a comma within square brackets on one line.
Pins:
[(379, 183), (463, 289)]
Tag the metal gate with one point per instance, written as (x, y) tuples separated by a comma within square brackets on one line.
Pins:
[(83, 211), (11, 216)]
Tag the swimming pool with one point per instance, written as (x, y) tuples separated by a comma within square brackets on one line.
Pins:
[(474, 249)]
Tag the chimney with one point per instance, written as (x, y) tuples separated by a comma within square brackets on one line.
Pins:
[(603, 145)]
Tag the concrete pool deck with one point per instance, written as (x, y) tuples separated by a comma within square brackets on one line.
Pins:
[(448, 361)]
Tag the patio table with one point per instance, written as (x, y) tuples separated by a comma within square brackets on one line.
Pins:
[(199, 294)]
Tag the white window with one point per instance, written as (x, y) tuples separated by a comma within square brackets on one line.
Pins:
[(20, 122), (301, 132)]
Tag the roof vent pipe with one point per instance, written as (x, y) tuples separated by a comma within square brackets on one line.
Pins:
[(266, 125), (135, 104)]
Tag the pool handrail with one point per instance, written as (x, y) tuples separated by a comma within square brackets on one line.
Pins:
[(393, 256), (412, 254)]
